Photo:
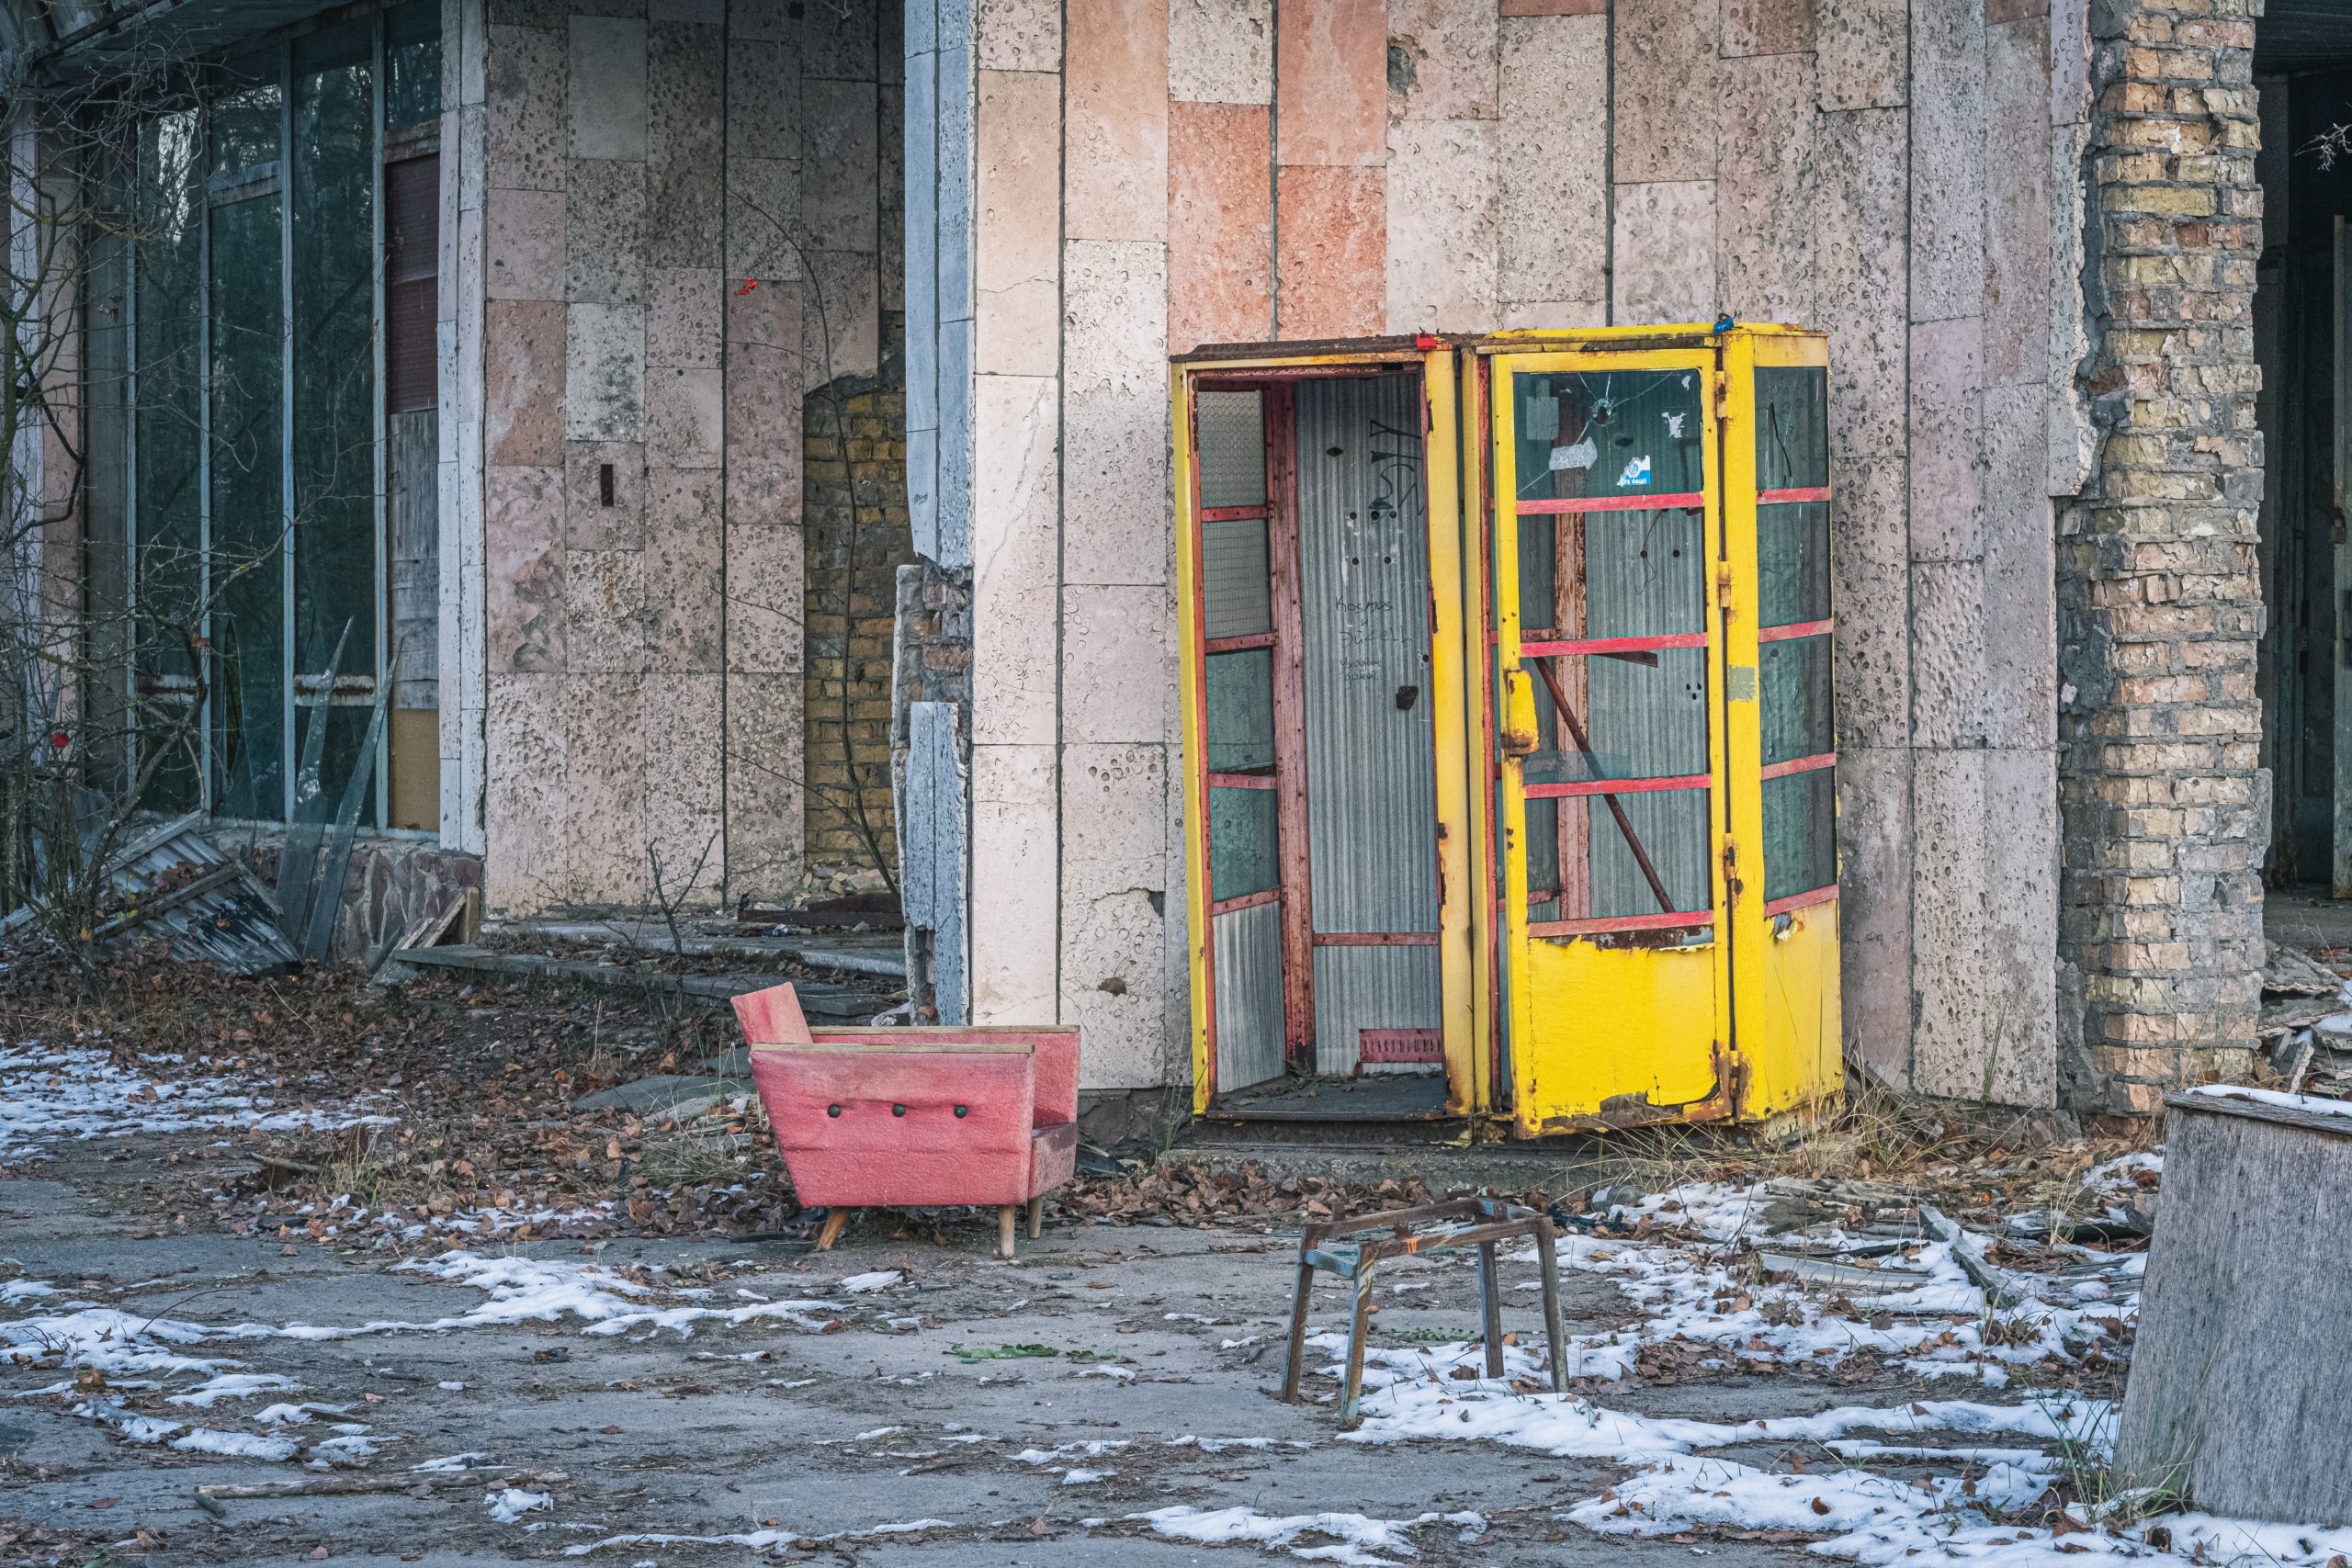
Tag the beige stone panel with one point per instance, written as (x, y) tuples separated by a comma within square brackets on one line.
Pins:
[(1441, 226), (766, 800), (1016, 483), (523, 376), (1117, 661), (526, 865), (1330, 252), (1874, 907), (1115, 505), (1016, 885), (523, 134), (1873, 651), (607, 87), (1220, 225), (684, 169), (1221, 52), (604, 611), (762, 212), (522, 569), (588, 523), (1950, 918), (1948, 653), (1767, 27), (1665, 253), (1114, 946), (842, 327), (682, 321), (1764, 190), (685, 606), (767, 583), (1442, 59), (1551, 171), (1948, 158), (770, 109), (1332, 82), (1984, 925), (1860, 261), (1016, 261), (1554, 314), (605, 753), (2021, 795), (1948, 440), (604, 373), (604, 224), (524, 233), (1017, 35), (2074, 440), (840, 201), (686, 417), (683, 721), (2020, 574), (1865, 53), (2016, 196), (1115, 74), (1114, 973), (1667, 69)]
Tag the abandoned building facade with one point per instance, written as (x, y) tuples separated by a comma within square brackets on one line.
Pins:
[(767, 479)]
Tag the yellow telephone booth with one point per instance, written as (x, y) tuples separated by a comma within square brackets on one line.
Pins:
[(1549, 836)]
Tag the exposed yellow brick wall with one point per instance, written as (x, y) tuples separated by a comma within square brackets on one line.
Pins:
[(854, 553)]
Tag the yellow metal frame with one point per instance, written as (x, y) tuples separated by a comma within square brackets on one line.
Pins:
[(1598, 1036), (1611, 1038), (1604, 1034), (1451, 721)]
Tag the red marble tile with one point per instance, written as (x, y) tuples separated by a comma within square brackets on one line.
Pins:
[(1331, 81), (1331, 253), (1115, 101), (1220, 224)]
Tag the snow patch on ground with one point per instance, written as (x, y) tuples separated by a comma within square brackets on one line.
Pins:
[(78, 1092)]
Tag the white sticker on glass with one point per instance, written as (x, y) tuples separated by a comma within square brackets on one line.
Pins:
[(1637, 472), (1541, 420), (1674, 426), (1583, 454)]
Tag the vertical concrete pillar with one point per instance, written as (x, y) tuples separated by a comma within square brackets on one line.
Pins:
[(2163, 804)]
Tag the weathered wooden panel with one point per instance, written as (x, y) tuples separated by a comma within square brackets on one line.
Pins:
[(2241, 1395)]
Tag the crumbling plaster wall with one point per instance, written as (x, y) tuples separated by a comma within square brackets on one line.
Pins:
[(1153, 174), (653, 201)]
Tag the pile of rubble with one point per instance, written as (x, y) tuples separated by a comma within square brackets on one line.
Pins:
[(2306, 1033)]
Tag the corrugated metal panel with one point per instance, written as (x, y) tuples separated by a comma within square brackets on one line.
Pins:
[(1371, 776), (1358, 988), (1247, 952)]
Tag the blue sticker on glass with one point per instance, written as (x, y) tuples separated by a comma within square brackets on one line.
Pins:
[(1637, 472)]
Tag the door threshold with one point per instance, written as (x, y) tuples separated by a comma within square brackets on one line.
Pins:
[(1338, 1097)]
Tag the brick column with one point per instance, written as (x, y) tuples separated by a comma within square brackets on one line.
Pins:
[(2164, 808)]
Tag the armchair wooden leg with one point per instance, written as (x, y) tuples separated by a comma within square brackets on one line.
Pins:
[(1548, 1260), (1359, 1334), (1036, 1216), (1300, 1295), (1490, 1309), (1006, 1216), (834, 1220)]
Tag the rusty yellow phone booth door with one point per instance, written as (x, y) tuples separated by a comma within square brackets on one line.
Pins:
[(1665, 768), (1607, 536)]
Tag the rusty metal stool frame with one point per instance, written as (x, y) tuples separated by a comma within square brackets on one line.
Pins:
[(1458, 1222)]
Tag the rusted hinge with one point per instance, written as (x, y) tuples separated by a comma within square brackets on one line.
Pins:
[(1723, 585), (1731, 869)]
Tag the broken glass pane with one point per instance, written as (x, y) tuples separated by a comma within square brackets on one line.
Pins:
[(1237, 594), (1609, 433), (1241, 711), (1241, 842), (1229, 435), (1800, 833), (169, 560), (1791, 427), (412, 62), (333, 180)]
